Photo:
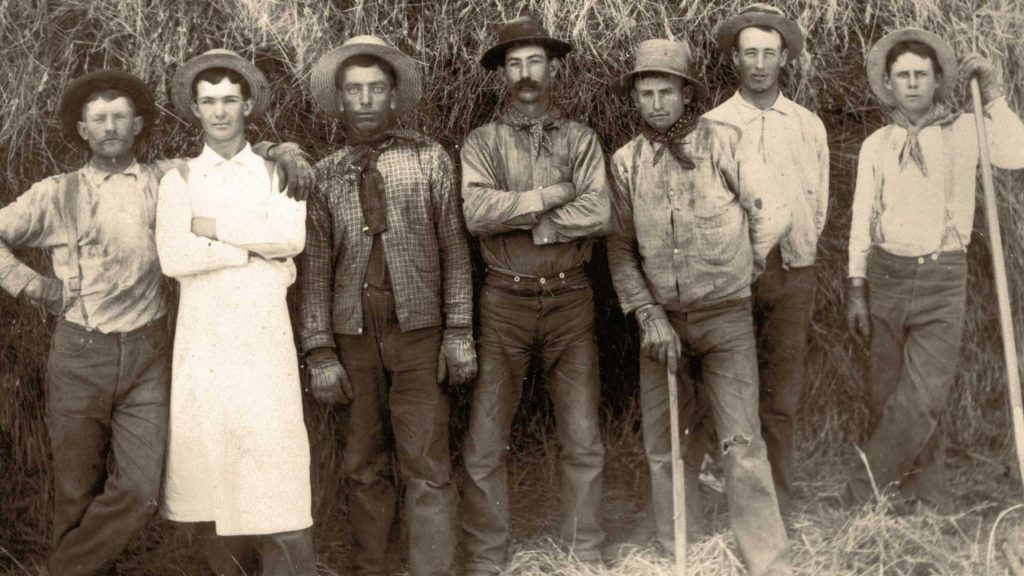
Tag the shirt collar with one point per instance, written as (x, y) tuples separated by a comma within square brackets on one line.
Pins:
[(209, 159), (96, 177), (747, 112)]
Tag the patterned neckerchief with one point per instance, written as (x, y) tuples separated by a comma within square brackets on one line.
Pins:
[(672, 139), (366, 149), (539, 138), (939, 114)]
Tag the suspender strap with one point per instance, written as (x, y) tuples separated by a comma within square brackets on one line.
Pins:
[(74, 280), (949, 173), (876, 204)]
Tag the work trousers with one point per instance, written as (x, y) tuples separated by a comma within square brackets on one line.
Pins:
[(107, 394), (719, 354), (783, 305), (280, 554), (400, 406), (917, 317), (521, 318)]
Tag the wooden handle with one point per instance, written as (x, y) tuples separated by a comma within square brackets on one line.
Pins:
[(678, 490)]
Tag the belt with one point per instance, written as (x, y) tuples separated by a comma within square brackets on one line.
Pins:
[(528, 284)]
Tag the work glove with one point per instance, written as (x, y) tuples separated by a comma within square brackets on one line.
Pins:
[(858, 318), (293, 170), (326, 377), (658, 340), (989, 79), (457, 357)]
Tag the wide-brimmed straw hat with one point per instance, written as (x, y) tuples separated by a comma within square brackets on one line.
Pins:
[(69, 110), (760, 15), (408, 83), (522, 30), (878, 53), (181, 84), (664, 56)]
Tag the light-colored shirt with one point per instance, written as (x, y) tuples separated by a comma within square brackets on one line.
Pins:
[(122, 287), (500, 178), (912, 205), (793, 143), (688, 239)]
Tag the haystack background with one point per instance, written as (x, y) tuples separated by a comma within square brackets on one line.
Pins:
[(43, 45)]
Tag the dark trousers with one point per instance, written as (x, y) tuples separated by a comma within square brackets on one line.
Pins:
[(107, 394), (521, 319), (783, 304), (719, 353), (917, 318), (397, 402), (280, 554)]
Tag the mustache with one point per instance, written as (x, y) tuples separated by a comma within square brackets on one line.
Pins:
[(526, 83)]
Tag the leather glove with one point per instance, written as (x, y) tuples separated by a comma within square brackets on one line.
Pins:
[(327, 379), (457, 357), (989, 79), (658, 339), (858, 318), (294, 172)]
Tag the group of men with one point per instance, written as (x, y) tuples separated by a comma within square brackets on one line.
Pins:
[(712, 221)]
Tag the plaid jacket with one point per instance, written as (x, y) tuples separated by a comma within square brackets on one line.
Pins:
[(424, 244)]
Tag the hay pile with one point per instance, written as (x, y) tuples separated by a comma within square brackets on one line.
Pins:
[(44, 44)]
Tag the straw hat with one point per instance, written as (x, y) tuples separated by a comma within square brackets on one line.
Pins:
[(760, 15), (519, 31), (878, 53), (660, 55), (69, 110), (181, 84), (408, 83)]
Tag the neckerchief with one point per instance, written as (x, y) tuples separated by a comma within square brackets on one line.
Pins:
[(938, 114), (672, 139), (538, 127), (365, 151)]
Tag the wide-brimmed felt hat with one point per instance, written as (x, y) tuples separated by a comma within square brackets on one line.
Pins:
[(760, 15), (408, 82), (181, 84), (876, 62), (664, 56), (522, 30), (69, 110)]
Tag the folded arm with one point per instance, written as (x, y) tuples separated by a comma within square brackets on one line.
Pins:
[(33, 220), (589, 212)]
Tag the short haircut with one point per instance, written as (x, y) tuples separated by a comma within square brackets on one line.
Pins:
[(762, 28), (365, 61), (913, 47), (105, 94), (655, 74), (217, 75)]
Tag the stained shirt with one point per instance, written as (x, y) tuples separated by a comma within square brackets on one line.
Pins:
[(687, 239), (912, 206), (424, 245), (793, 143), (503, 204), (122, 287)]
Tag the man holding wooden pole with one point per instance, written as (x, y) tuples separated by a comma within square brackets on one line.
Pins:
[(913, 211), (695, 217)]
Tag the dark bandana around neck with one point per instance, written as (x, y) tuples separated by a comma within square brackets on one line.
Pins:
[(366, 149), (539, 138), (672, 139)]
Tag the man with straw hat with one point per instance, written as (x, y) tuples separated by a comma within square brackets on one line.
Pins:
[(913, 210), (791, 140), (238, 455), (112, 303), (387, 302), (695, 218), (536, 194)]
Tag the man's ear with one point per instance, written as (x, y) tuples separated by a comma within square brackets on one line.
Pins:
[(887, 81), (688, 92), (82, 132), (735, 57), (784, 57), (635, 96), (195, 108), (137, 123), (247, 107)]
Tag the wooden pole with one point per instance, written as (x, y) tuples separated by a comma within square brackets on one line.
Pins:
[(678, 490), (1002, 289)]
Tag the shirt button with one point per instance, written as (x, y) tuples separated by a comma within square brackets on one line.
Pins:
[(935, 256), (920, 260), (366, 284), (515, 278), (675, 250), (360, 331), (561, 274), (543, 281)]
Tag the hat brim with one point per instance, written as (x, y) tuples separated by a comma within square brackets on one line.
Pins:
[(181, 84), (876, 62), (495, 55), (409, 84), (69, 110), (725, 34), (624, 84)]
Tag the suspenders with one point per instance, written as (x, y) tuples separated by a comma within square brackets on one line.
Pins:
[(74, 280)]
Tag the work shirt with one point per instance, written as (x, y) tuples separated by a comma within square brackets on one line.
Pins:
[(424, 245), (503, 204), (688, 239), (792, 142), (912, 206), (122, 287)]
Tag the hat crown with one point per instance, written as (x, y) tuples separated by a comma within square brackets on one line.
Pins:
[(760, 8), (366, 39), (522, 27), (663, 54)]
